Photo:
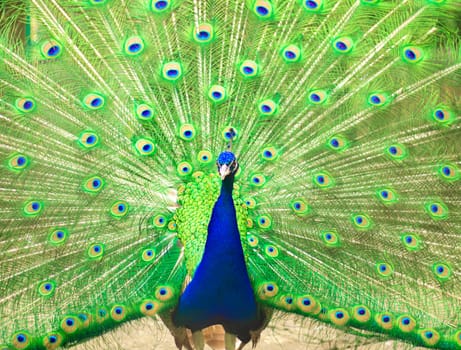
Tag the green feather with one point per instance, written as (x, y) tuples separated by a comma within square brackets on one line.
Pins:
[(346, 115)]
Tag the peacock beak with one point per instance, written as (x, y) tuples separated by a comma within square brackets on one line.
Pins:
[(224, 170)]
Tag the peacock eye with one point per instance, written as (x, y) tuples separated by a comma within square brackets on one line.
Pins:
[(203, 33), (94, 101), (313, 5), (230, 133), (51, 49), (26, 104), (172, 71), (133, 46)]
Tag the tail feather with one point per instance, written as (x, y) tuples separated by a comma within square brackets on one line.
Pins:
[(347, 128)]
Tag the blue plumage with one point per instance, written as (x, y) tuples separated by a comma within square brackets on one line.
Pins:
[(220, 291)]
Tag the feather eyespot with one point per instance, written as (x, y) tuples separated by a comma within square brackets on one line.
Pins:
[(119, 209), (148, 255), (323, 180), (95, 251), (187, 132), (21, 340), (313, 5), (429, 336), (118, 313), (52, 341), (33, 208), (317, 96), (343, 45), (264, 222), (443, 116), (385, 321), (286, 302), (164, 293), (149, 307), (291, 53), (406, 323), (299, 207), (230, 133), (412, 54), (217, 94), (85, 319), (411, 242), (172, 71), (203, 33), (18, 162), (361, 221), (253, 241), (94, 101), (387, 196), (271, 251), (58, 236), (25, 105), (47, 288), (263, 9), (205, 157), (70, 324), (339, 317), (361, 313), (93, 184), (269, 153), (102, 315), (442, 271), (396, 152), (159, 221), (337, 143), (51, 49), (378, 99), (267, 108), (437, 210), (184, 169), (133, 46), (144, 112), (268, 290), (384, 269), (250, 203), (308, 304), (257, 180), (449, 172), (160, 6), (88, 140), (249, 69), (172, 226), (144, 147), (330, 238)]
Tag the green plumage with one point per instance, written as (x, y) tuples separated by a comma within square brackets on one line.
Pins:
[(346, 116)]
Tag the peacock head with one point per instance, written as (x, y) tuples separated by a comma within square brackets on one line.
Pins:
[(227, 164)]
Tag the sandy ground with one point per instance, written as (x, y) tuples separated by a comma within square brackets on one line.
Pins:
[(288, 333)]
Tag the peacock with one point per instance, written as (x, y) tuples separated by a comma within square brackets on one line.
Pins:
[(220, 164)]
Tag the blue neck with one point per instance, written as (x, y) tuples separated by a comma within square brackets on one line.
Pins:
[(223, 233), (220, 291)]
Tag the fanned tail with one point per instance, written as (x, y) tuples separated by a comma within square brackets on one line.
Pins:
[(345, 121)]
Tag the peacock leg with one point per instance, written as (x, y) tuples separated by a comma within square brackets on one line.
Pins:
[(199, 340), (229, 341)]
